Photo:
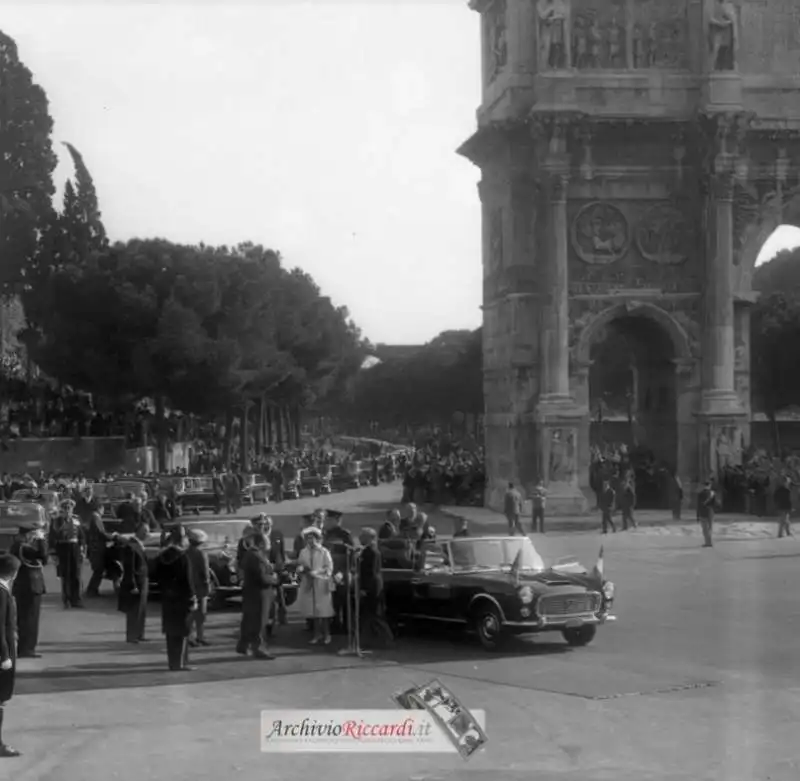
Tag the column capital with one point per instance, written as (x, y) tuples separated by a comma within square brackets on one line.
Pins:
[(556, 184), (723, 185)]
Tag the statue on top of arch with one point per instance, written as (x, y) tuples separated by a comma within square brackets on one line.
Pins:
[(723, 35), (555, 36)]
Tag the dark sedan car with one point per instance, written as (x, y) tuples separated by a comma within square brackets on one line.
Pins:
[(495, 586), (221, 546), (199, 495)]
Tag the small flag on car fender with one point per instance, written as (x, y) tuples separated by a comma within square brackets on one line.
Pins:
[(516, 566), (598, 567)]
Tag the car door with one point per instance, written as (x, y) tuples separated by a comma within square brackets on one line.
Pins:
[(432, 585)]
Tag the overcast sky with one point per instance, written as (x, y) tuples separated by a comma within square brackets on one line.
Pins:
[(324, 130)]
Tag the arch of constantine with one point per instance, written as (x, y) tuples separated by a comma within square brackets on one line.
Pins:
[(634, 156)]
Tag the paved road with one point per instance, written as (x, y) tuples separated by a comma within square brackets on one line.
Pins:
[(697, 680)]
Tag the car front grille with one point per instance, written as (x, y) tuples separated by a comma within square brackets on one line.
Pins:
[(568, 605)]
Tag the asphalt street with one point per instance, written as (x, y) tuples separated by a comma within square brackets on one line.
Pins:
[(696, 680)]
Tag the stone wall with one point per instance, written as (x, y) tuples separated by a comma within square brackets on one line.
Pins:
[(91, 455)]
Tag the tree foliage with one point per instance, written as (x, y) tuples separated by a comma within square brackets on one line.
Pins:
[(775, 331), (426, 386), (27, 163)]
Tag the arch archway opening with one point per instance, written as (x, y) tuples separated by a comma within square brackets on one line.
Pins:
[(633, 401)]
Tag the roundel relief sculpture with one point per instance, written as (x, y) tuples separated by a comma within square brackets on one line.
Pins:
[(664, 236), (600, 234)]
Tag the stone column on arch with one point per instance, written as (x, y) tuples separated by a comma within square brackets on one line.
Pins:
[(555, 319)]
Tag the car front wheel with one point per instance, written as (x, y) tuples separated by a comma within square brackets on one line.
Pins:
[(489, 627), (580, 636)]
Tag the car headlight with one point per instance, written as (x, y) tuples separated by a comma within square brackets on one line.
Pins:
[(608, 590), (525, 595)]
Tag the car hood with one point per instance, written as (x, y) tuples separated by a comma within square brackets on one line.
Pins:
[(539, 581)]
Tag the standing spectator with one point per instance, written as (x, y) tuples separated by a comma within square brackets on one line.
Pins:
[(201, 583), (134, 586), (538, 502), (783, 504), (9, 566), (627, 501), (512, 507), (608, 498), (675, 496), (706, 500)]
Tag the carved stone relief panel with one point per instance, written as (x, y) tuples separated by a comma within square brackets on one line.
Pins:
[(562, 456), (600, 233), (770, 37), (599, 34), (497, 42), (554, 28), (665, 236), (660, 34)]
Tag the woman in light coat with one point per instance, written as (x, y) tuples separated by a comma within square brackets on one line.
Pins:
[(314, 596)]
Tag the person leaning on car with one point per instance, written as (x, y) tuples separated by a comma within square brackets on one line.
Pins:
[(134, 514)]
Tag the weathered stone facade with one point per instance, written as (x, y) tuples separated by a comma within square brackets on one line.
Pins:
[(635, 155)]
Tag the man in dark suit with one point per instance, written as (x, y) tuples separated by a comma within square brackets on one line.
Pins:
[(134, 586), (277, 556), (372, 606), (30, 547), (9, 565), (135, 514), (338, 541), (608, 498), (706, 501)]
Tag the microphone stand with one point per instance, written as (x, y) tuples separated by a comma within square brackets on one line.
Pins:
[(353, 589)]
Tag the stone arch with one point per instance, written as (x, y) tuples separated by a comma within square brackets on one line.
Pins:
[(675, 332), (775, 210)]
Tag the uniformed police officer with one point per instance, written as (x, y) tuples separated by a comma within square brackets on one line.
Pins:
[(68, 540), (30, 547)]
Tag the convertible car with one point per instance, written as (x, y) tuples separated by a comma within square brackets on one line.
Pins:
[(496, 587), (221, 546)]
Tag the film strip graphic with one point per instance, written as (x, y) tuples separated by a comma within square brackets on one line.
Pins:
[(451, 715)]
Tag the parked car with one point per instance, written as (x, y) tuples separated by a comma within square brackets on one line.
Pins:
[(141, 486), (199, 496), (50, 500), (112, 495), (496, 587), (12, 514), (315, 482), (221, 546), (256, 490), (345, 476)]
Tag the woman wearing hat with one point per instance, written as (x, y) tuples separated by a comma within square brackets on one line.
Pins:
[(68, 540), (9, 566), (314, 595), (201, 583)]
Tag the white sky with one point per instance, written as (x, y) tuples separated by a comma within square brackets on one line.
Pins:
[(324, 130)]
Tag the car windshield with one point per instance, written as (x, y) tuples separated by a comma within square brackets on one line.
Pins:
[(107, 492), (200, 484), (14, 514), (129, 486), (495, 553), (219, 532)]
